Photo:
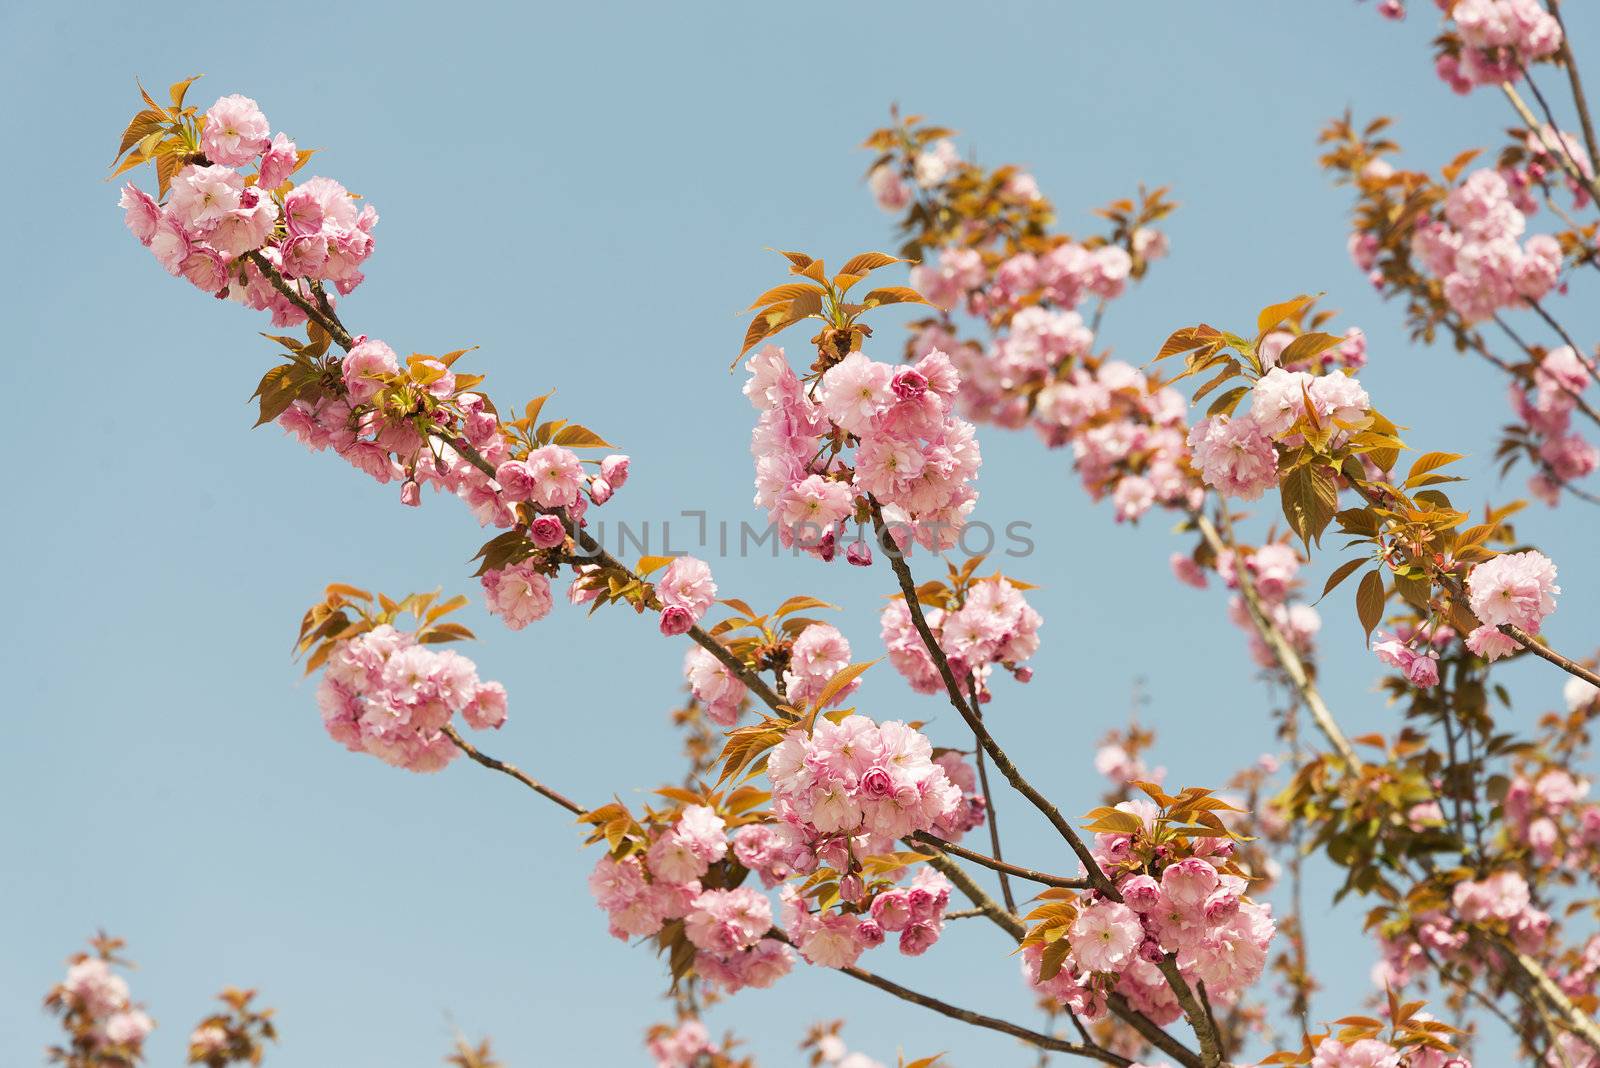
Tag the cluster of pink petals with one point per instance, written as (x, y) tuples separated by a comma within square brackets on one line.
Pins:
[(1419, 665), (911, 453), (1516, 589), (385, 694), (1503, 899), (837, 939), (1126, 430), (641, 892), (1235, 456), (1546, 411), (994, 625), (684, 1046), (518, 594), (686, 590), (1474, 250), (859, 777), (1191, 910), (719, 691), (1549, 816), (1498, 38), (213, 217), (819, 653), (1273, 569), (1121, 768), (117, 1027)]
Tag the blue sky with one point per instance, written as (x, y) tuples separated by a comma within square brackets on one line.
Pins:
[(586, 191)]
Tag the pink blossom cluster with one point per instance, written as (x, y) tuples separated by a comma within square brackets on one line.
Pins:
[(1501, 901), (1550, 153), (719, 691), (837, 939), (96, 1000), (1349, 355), (1420, 665), (1564, 455), (1122, 768), (1375, 1053), (994, 625), (1498, 38), (1516, 589), (215, 215), (640, 892), (816, 655), (384, 693), (683, 1046), (911, 453), (858, 777), (1125, 429), (1238, 456), (1272, 569), (686, 591), (1549, 816), (1188, 908), (1474, 250)]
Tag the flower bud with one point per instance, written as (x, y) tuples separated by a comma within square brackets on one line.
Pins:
[(675, 620), (547, 531)]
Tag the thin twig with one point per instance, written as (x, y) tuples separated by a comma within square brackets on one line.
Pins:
[(1043, 878), (512, 770)]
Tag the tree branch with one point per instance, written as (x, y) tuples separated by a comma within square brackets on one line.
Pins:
[(993, 864), (1288, 659), (1003, 762), (512, 770)]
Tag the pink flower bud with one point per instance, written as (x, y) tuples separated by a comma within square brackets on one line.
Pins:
[(859, 553), (1150, 950), (411, 493), (547, 531), (1023, 674), (481, 428), (916, 939), (908, 383), (1140, 892), (877, 784), (892, 910), (869, 934), (675, 620), (1221, 906), (516, 481), (851, 888), (599, 489), (614, 469)]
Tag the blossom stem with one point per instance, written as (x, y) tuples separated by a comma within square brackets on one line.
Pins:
[(512, 770), (1580, 101), (1527, 641), (988, 796), (1288, 659), (1559, 150), (976, 1019), (994, 864), (908, 590), (340, 335)]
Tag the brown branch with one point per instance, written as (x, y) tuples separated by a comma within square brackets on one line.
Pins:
[(989, 801), (1559, 150), (1288, 659), (1579, 100), (1002, 761), (1043, 878), (328, 322), (512, 770)]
